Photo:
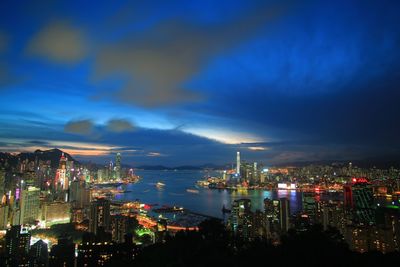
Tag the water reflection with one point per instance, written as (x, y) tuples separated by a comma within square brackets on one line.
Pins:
[(207, 201)]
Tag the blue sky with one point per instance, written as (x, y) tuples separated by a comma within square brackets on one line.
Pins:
[(191, 82)]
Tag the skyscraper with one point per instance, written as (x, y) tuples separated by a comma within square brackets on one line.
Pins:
[(4, 208), (61, 181), (118, 166), (56, 212), (79, 194), (360, 193), (271, 208), (63, 254), (39, 254), (17, 246), (309, 204), (238, 162), (29, 205), (284, 214), (2, 182), (241, 217), (99, 215), (255, 174)]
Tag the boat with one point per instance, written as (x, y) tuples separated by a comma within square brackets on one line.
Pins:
[(194, 191), (160, 185)]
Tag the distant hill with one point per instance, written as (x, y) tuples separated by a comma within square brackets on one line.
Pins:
[(53, 155), (379, 163), (184, 167)]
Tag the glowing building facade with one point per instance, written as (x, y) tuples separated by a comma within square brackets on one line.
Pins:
[(61, 181), (238, 162), (29, 205)]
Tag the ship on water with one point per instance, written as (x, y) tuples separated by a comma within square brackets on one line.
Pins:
[(160, 185), (193, 191)]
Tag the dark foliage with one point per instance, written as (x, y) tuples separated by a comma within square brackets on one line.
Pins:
[(213, 246)]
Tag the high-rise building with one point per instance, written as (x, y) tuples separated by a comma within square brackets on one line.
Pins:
[(61, 181), (348, 197), (79, 194), (309, 204), (238, 162), (99, 215), (241, 217), (284, 214), (255, 177), (17, 246), (56, 213), (359, 200), (119, 226), (278, 214), (39, 255), (260, 225), (101, 176), (110, 170), (118, 166), (331, 214), (29, 205), (271, 208), (2, 182), (100, 253), (4, 208), (62, 254)]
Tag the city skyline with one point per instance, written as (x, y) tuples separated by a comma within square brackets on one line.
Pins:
[(189, 83), (199, 133)]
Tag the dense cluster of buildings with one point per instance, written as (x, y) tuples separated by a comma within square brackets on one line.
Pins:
[(37, 195), (365, 210)]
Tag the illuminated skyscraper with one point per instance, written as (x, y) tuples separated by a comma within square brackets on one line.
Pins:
[(17, 246), (39, 254), (271, 208), (99, 215), (2, 181), (110, 170), (255, 176), (79, 194), (284, 214), (61, 181), (56, 212), (359, 199), (241, 217), (29, 205), (309, 204), (238, 162), (118, 166), (4, 208)]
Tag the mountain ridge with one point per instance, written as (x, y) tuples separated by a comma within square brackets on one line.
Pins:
[(53, 155)]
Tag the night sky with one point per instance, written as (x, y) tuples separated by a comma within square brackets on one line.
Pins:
[(191, 82)]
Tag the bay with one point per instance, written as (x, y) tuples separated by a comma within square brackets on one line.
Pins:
[(206, 201)]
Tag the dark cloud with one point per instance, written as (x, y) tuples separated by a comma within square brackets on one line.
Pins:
[(319, 81), (59, 42), (84, 127), (156, 64), (38, 142), (120, 125), (6, 78), (4, 42)]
